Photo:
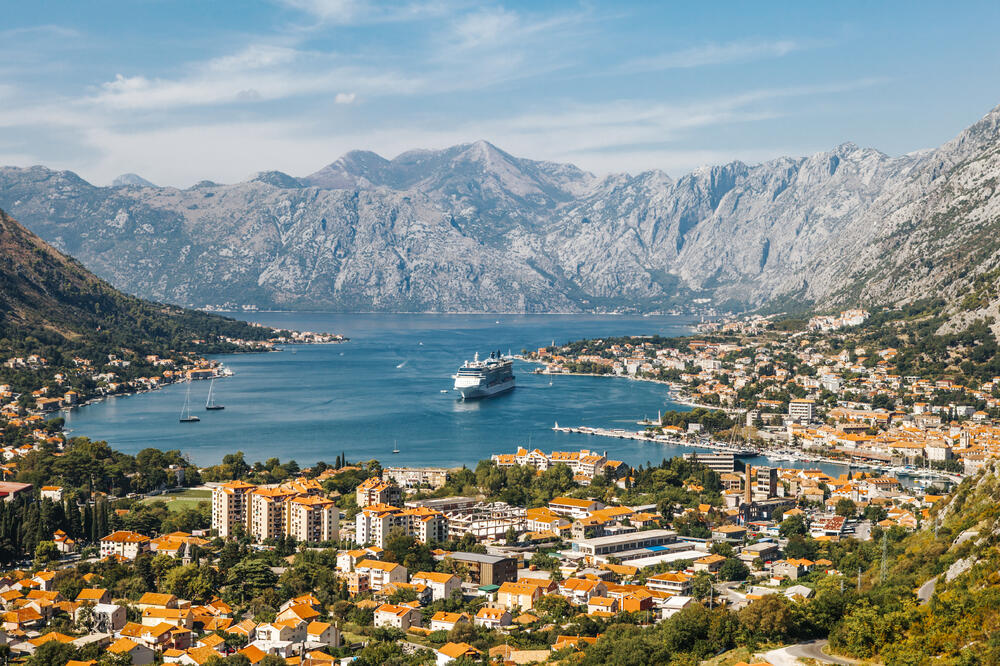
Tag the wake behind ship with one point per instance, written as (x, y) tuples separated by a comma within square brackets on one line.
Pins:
[(482, 379)]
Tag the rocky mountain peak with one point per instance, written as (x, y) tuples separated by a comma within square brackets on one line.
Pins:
[(277, 179), (131, 180)]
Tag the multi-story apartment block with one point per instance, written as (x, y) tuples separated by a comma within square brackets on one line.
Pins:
[(486, 520), (416, 477), (229, 506), (268, 512), (584, 463), (804, 410), (296, 508), (313, 518), (373, 524), (376, 491)]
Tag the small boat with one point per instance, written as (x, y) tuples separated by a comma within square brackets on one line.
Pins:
[(186, 416), (210, 402), (395, 447)]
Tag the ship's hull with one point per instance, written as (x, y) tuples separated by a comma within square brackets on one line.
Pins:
[(479, 391)]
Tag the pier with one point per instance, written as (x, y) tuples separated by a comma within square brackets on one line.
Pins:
[(643, 435)]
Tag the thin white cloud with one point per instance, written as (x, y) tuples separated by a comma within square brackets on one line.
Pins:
[(354, 12), (34, 31), (487, 27), (250, 76), (253, 57), (713, 54), (345, 98)]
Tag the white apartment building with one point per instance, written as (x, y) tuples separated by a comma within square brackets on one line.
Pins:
[(313, 518), (373, 523), (124, 544), (229, 506), (268, 509), (802, 409)]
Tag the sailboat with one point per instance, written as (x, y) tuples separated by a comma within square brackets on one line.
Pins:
[(210, 402), (395, 447), (186, 416)]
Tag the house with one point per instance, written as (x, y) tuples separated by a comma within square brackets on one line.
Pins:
[(729, 533), (381, 573), (674, 583), (324, 633), (138, 653), (710, 563), (45, 580), (156, 600), (124, 544), (63, 542), (603, 606), (401, 617), (22, 619), (442, 621), (298, 613), (193, 656), (105, 618), (791, 568), (54, 493), (280, 631), (518, 595), (574, 508), (442, 585), (178, 617), (452, 651), (674, 605), (492, 618), (580, 590), (253, 653), (93, 595)]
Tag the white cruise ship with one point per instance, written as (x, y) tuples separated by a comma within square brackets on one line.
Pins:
[(482, 379)]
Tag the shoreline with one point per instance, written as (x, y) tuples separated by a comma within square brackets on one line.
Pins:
[(675, 392), (138, 391)]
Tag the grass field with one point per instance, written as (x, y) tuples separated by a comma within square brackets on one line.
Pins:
[(189, 498)]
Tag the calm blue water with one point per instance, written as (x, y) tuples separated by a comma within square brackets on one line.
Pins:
[(392, 384)]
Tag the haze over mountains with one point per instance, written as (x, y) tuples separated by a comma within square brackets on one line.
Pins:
[(472, 228)]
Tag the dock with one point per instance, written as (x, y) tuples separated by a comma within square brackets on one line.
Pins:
[(646, 436)]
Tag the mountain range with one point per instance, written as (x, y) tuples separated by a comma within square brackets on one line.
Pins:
[(473, 228)]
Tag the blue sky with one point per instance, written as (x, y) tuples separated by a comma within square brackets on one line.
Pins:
[(203, 89)]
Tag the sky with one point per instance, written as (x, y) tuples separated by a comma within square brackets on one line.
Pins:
[(186, 90)]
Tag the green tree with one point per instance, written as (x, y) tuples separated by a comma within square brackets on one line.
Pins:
[(793, 525), (733, 569), (46, 552), (769, 618), (846, 508), (250, 578), (52, 653)]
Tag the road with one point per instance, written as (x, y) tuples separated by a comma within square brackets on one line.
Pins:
[(726, 591), (926, 591), (789, 655)]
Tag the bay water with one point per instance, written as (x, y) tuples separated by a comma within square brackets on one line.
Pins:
[(390, 387)]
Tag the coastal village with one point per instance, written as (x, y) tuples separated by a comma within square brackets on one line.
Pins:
[(526, 559)]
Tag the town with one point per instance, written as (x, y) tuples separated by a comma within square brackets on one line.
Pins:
[(533, 556), (803, 395)]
